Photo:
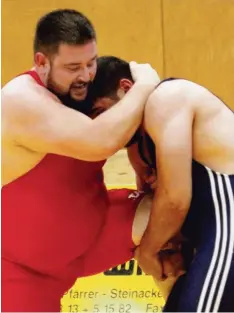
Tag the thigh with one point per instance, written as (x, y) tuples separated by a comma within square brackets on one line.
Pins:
[(187, 291), (115, 245), (26, 291), (227, 301), (207, 287), (209, 283)]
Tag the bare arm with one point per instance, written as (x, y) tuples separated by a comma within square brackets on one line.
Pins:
[(139, 168), (42, 124), (142, 171), (168, 120)]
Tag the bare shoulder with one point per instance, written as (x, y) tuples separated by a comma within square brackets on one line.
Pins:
[(22, 96), (24, 104), (23, 90), (19, 85), (174, 94), (180, 87)]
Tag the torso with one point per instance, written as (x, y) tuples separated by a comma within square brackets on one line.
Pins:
[(17, 160), (212, 168), (50, 203), (213, 134)]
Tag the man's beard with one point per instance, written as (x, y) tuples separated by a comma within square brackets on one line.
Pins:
[(83, 106)]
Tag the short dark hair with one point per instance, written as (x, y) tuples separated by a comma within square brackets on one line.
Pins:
[(110, 70), (62, 26)]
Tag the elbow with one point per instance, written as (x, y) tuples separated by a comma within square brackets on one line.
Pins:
[(102, 144), (84, 151), (177, 200), (181, 204), (109, 148), (178, 209), (101, 151)]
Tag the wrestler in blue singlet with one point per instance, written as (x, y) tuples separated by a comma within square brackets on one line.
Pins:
[(208, 285)]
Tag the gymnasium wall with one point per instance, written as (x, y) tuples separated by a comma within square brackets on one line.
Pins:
[(193, 39)]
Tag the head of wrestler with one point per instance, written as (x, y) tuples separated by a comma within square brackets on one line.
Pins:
[(65, 53), (112, 81)]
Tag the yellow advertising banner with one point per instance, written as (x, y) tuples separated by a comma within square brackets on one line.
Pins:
[(123, 289)]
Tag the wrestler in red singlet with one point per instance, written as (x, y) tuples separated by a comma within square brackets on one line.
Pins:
[(60, 223)]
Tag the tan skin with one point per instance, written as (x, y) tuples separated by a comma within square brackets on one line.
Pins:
[(35, 122), (187, 122), (72, 66)]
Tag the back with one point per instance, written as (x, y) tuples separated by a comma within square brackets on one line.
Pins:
[(212, 127), (213, 132)]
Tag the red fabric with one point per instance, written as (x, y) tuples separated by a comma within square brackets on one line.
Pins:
[(37, 292), (59, 223), (35, 76)]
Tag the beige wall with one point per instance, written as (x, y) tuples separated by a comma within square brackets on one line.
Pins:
[(131, 29), (183, 38), (199, 43)]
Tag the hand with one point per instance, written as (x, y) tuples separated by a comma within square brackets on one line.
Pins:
[(144, 73), (142, 185), (149, 263), (173, 263), (150, 178)]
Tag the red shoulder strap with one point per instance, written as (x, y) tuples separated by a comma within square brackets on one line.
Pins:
[(35, 76)]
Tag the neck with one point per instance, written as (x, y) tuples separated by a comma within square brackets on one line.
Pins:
[(42, 75)]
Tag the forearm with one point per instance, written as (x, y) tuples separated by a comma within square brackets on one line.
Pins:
[(118, 124), (167, 217), (54, 128)]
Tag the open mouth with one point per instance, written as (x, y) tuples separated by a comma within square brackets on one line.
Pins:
[(80, 86)]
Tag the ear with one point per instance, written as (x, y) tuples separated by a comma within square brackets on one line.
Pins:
[(42, 65), (40, 59), (125, 84)]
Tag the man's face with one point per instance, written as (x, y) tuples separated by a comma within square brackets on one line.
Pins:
[(102, 104), (72, 70), (105, 103)]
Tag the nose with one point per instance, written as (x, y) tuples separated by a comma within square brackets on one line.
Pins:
[(85, 74)]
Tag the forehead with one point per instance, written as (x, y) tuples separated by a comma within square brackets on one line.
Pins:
[(104, 102), (77, 53), (101, 105)]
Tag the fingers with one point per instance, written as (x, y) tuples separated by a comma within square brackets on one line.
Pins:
[(173, 264), (144, 74), (150, 264)]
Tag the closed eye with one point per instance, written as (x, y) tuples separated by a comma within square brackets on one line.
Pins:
[(73, 69)]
